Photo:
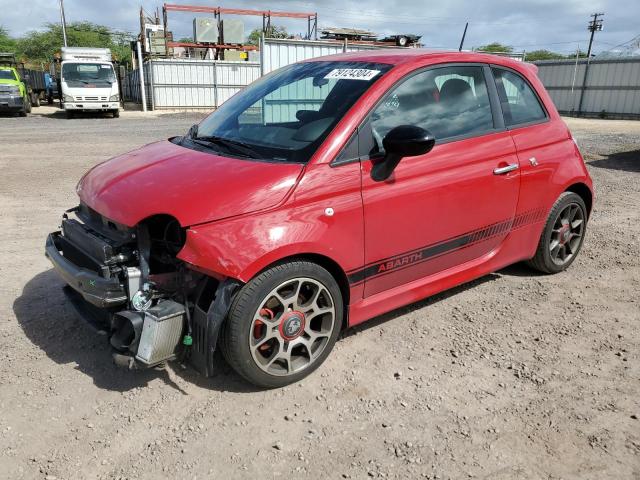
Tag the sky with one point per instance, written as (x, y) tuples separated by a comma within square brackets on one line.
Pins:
[(559, 25)]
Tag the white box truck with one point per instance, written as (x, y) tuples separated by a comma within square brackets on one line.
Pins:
[(88, 81)]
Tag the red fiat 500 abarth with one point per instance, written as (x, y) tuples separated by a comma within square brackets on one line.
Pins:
[(322, 195)]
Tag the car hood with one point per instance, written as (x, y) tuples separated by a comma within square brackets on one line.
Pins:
[(192, 186)]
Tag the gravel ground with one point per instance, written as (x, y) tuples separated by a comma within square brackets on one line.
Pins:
[(515, 375)]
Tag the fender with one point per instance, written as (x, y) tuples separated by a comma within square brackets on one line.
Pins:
[(328, 224)]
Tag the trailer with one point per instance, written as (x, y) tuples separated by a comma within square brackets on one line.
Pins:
[(37, 83)]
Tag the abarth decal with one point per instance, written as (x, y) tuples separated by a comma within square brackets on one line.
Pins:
[(414, 257)]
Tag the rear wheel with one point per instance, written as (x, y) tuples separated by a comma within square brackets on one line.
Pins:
[(283, 324), (563, 235)]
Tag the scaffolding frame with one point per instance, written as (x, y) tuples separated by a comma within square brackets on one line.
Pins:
[(312, 23)]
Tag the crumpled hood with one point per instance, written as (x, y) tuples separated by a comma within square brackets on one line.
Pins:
[(194, 187)]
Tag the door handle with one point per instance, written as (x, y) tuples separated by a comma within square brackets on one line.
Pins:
[(507, 169)]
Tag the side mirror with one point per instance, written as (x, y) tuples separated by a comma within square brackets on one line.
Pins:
[(401, 141)]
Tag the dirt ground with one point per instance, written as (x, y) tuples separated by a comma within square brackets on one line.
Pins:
[(514, 376)]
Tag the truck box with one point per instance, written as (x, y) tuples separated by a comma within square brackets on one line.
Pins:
[(86, 54)]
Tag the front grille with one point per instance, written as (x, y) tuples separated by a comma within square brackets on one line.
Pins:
[(91, 99)]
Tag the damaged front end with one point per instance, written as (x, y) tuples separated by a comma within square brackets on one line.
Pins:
[(128, 283)]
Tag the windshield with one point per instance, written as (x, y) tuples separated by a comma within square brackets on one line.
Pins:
[(287, 114), (7, 75), (88, 74)]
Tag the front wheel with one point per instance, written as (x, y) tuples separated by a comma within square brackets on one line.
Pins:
[(563, 235), (116, 113), (283, 324)]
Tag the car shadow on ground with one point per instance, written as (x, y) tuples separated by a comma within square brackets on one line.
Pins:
[(52, 324), (385, 317), (61, 115), (627, 161)]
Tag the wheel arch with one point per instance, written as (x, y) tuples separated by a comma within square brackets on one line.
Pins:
[(584, 192)]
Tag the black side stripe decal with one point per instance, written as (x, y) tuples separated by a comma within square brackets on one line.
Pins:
[(413, 257)]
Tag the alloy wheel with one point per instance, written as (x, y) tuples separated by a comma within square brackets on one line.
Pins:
[(292, 326), (566, 235)]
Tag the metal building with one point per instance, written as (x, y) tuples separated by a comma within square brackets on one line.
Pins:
[(608, 88)]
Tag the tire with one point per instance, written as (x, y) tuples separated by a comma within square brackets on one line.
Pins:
[(116, 113), (259, 325), (35, 100), (564, 231), (402, 41)]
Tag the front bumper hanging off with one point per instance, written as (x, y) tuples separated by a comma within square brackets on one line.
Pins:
[(105, 270), (95, 289)]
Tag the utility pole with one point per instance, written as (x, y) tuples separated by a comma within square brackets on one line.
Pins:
[(594, 26), (64, 24), (464, 34)]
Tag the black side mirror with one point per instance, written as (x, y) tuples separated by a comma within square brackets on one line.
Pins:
[(401, 141), (193, 131)]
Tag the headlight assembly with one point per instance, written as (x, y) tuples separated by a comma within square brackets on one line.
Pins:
[(114, 98), (67, 98)]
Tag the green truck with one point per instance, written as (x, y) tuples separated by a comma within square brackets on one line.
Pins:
[(15, 95)]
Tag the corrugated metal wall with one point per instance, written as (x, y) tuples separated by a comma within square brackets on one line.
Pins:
[(189, 83), (612, 87), (276, 53), (192, 83)]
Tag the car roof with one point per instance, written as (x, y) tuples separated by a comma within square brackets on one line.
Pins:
[(423, 56)]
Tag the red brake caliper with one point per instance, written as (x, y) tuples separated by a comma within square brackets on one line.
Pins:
[(259, 327)]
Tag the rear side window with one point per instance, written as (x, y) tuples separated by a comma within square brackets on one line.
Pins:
[(449, 102), (519, 103)]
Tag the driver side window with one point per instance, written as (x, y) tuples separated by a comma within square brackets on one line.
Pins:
[(450, 102)]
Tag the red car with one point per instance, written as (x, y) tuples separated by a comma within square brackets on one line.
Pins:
[(326, 193)]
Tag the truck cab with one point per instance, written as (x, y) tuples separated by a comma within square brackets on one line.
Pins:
[(14, 93), (88, 81)]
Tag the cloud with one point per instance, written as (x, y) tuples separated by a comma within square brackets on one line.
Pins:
[(528, 25)]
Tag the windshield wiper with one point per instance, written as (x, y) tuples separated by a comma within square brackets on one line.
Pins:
[(230, 144)]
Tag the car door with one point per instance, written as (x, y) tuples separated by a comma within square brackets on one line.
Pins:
[(542, 145), (451, 205)]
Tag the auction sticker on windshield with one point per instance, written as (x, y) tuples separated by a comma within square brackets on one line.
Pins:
[(352, 74)]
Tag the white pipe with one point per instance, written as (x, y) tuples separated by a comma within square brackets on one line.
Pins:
[(143, 92)]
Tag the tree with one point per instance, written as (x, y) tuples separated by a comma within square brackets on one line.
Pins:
[(495, 47), (7, 44), (42, 45), (534, 55), (272, 32)]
